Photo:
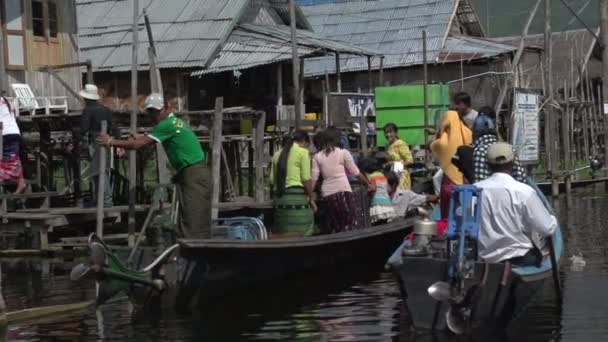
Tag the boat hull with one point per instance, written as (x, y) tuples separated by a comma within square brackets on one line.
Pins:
[(219, 267), (494, 305)]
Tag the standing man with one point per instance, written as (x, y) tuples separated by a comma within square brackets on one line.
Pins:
[(187, 158), (462, 104), (512, 214), (90, 125)]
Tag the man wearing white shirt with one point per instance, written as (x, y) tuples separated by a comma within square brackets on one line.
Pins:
[(511, 213)]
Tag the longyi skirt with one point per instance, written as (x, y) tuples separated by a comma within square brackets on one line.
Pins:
[(10, 166), (292, 213), (340, 213)]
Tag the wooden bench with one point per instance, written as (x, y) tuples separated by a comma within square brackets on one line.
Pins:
[(45, 221)]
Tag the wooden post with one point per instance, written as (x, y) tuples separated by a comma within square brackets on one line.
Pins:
[(425, 72), (550, 115), (4, 204), (604, 97), (216, 155), (101, 182), (325, 103), (259, 157), (370, 85), (294, 63), (3, 78), (381, 74), (338, 76), (301, 103), (279, 94), (363, 132), (90, 79), (133, 124), (178, 85)]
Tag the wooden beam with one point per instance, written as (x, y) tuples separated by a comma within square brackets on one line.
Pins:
[(294, 63), (3, 78), (216, 155), (260, 124), (363, 134), (425, 72), (381, 74)]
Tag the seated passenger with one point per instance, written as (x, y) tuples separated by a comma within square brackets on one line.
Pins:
[(511, 213), (405, 200), (381, 210)]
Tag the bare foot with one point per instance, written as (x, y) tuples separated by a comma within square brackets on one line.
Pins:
[(20, 186)]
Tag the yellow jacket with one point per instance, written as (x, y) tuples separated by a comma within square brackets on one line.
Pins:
[(453, 133)]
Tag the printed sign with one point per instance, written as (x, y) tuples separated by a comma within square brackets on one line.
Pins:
[(361, 106), (525, 133)]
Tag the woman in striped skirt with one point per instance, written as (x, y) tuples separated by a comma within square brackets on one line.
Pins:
[(291, 179)]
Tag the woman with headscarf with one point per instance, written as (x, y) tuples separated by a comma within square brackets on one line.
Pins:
[(293, 186)]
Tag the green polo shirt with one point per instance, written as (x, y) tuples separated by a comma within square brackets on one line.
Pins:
[(181, 144)]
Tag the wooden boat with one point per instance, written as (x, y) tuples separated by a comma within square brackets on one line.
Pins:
[(210, 269), (491, 298)]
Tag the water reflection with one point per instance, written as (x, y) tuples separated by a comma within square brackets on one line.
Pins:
[(365, 307)]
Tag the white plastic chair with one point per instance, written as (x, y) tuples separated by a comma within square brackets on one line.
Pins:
[(25, 100)]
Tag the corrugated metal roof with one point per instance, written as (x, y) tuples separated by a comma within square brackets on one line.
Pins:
[(469, 48), (253, 45), (187, 32), (390, 27)]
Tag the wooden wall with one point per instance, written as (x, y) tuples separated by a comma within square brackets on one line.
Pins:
[(39, 53)]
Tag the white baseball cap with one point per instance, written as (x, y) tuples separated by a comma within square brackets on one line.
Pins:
[(500, 153), (155, 101), (90, 92)]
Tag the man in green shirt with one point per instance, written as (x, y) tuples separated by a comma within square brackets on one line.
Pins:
[(185, 154)]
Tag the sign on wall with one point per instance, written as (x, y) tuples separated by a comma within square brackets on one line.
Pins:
[(525, 131)]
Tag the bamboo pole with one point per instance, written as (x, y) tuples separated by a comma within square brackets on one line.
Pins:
[(370, 86), (425, 72), (552, 142), (381, 74), (101, 181), (517, 58), (604, 93), (133, 125)]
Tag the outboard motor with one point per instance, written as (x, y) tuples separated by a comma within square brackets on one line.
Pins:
[(424, 231)]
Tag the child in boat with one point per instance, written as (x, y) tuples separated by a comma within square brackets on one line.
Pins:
[(405, 201), (381, 210)]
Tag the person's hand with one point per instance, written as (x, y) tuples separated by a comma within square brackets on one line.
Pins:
[(121, 152), (313, 205), (432, 198), (104, 139)]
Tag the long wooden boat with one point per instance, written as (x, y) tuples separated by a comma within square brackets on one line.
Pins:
[(495, 295), (209, 269)]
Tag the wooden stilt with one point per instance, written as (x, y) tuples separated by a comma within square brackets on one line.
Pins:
[(216, 143), (101, 181), (259, 157)]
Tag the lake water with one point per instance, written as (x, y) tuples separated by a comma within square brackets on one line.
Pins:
[(361, 307)]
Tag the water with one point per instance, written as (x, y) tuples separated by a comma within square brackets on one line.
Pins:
[(362, 307)]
